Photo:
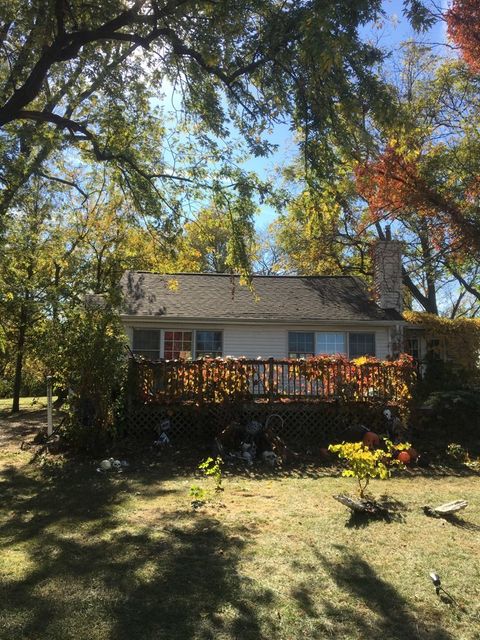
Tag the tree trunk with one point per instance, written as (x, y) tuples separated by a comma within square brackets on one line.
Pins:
[(429, 268), (17, 383)]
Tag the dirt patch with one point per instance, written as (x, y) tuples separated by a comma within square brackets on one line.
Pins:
[(21, 427)]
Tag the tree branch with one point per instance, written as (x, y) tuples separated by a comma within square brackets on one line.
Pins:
[(63, 181)]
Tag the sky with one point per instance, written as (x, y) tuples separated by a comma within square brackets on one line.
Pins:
[(395, 30)]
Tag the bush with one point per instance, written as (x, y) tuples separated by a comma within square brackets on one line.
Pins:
[(364, 463), (451, 416), (442, 376), (90, 360), (6, 388)]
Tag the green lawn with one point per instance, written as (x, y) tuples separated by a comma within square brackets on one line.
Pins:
[(126, 557), (26, 404)]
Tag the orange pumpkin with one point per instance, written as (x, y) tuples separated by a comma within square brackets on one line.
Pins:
[(371, 440), (404, 457), (413, 454)]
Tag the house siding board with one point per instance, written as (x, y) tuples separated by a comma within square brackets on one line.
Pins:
[(273, 341), (255, 341), (252, 342)]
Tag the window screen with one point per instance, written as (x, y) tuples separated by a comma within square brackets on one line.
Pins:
[(361, 344), (300, 344), (146, 343), (208, 343), (330, 343), (177, 344)]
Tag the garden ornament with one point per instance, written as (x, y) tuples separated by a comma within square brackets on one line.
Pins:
[(106, 465), (253, 428), (371, 440), (162, 441), (117, 465), (247, 457), (269, 457), (165, 425)]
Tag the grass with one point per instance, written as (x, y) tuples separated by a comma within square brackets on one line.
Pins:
[(26, 404), (97, 557)]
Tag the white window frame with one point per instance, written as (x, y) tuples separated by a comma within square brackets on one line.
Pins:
[(289, 331), (374, 333), (345, 333), (194, 343), (345, 339), (160, 346), (162, 342)]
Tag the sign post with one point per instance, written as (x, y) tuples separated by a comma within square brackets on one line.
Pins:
[(49, 407)]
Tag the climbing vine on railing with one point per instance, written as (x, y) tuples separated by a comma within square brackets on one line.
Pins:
[(319, 378)]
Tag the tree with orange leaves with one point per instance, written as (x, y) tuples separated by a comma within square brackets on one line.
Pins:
[(463, 25), (420, 170), (397, 182)]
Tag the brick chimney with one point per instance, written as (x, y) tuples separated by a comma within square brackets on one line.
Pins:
[(387, 278)]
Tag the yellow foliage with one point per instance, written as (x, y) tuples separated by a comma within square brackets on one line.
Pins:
[(365, 463), (459, 338), (172, 284)]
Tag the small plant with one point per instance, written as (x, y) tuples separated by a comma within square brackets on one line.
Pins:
[(213, 467), (456, 452), (364, 463), (197, 493), (210, 468)]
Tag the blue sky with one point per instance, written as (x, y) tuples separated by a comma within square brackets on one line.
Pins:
[(395, 30)]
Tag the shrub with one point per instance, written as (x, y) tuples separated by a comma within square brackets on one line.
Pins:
[(364, 463), (456, 452), (89, 358), (213, 468)]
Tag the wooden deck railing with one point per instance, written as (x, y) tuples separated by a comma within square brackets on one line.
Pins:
[(321, 378)]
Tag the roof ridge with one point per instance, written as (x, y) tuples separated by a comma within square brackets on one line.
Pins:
[(236, 275)]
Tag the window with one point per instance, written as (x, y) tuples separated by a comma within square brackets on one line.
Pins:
[(300, 344), (412, 347), (146, 343), (434, 349), (361, 344), (177, 344), (208, 343), (330, 343)]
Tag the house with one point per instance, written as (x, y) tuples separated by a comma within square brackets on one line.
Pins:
[(191, 315)]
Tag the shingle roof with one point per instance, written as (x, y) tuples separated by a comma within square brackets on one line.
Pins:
[(218, 296)]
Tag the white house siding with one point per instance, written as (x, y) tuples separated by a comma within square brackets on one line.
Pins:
[(255, 341), (267, 341)]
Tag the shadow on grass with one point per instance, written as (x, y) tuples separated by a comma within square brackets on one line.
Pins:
[(88, 573), (456, 521), (367, 606), (182, 459), (392, 510)]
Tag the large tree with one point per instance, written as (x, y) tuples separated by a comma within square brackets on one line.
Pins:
[(463, 26), (416, 171), (77, 73)]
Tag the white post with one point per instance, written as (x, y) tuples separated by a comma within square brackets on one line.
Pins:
[(49, 407)]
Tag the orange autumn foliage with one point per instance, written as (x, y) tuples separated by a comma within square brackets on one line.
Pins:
[(389, 184), (393, 186), (328, 378), (463, 26)]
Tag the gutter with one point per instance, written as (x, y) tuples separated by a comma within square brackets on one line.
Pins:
[(170, 320)]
